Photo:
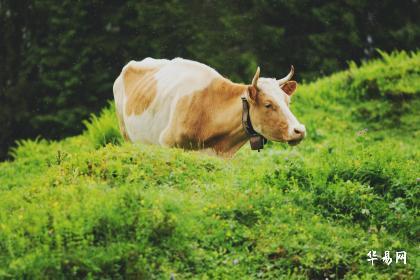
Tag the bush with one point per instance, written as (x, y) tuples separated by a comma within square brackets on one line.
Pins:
[(104, 129), (93, 207)]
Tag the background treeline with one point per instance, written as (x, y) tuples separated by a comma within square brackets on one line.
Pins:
[(58, 59)]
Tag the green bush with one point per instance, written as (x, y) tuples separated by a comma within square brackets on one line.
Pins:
[(92, 206), (103, 130)]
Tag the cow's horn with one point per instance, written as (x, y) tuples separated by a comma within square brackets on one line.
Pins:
[(288, 77), (256, 77)]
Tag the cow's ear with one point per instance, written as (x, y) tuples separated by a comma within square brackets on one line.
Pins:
[(252, 93), (289, 87), (253, 89)]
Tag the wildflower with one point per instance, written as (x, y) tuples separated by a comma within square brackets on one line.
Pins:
[(362, 132)]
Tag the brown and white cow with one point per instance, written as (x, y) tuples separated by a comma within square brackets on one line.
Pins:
[(183, 103)]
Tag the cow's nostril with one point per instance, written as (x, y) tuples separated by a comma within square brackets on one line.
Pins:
[(298, 131)]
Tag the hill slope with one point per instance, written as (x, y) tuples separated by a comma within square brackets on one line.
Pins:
[(89, 206)]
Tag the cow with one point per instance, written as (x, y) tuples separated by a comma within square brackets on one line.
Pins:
[(186, 104)]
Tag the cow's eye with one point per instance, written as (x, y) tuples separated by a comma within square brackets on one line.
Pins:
[(268, 105)]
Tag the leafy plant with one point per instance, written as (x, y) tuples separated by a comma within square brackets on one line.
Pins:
[(103, 130), (92, 206)]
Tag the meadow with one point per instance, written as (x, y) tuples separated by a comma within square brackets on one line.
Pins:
[(92, 206)]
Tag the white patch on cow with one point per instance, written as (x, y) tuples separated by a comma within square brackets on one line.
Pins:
[(271, 87), (118, 90), (175, 79)]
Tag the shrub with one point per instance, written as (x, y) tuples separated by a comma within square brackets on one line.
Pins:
[(90, 207), (104, 129)]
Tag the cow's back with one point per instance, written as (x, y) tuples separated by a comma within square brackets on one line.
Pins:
[(146, 94)]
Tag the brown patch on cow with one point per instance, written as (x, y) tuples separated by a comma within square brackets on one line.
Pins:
[(140, 89), (209, 118)]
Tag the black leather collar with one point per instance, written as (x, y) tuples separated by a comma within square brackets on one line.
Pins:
[(256, 140)]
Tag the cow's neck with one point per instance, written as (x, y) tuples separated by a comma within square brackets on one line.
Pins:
[(227, 125)]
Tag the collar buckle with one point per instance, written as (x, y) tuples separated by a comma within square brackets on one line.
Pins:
[(256, 140)]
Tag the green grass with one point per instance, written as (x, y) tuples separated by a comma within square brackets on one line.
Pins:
[(92, 206)]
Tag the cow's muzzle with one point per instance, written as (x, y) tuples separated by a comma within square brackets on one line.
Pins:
[(297, 134)]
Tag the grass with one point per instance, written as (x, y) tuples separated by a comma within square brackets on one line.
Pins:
[(92, 206)]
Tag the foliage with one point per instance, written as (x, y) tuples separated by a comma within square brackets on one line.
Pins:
[(102, 130), (59, 58), (87, 208)]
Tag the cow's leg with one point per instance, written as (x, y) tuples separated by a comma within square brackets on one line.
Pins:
[(166, 138), (171, 135), (177, 136), (118, 89), (184, 129)]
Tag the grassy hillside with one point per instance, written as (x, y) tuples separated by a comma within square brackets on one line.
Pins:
[(92, 206)]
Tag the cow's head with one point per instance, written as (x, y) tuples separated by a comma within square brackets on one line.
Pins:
[(269, 109)]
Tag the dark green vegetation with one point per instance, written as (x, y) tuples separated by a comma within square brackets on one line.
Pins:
[(58, 59), (89, 206)]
